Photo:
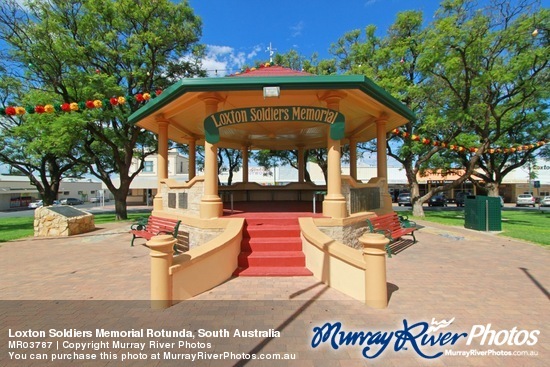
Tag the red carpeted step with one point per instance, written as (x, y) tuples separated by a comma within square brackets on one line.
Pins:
[(277, 220), (271, 244), (272, 258), (271, 230), (264, 271)]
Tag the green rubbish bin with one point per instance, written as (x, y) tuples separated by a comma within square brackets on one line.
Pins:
[(482, 213)]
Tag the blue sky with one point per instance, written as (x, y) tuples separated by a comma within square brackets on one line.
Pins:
[(238, 32)]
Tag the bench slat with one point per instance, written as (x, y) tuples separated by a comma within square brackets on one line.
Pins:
[(155, 226), (390, 224)]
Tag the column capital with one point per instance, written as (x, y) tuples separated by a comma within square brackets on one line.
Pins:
[(211, 98), (332, 99), (383, 118), (160, 119)]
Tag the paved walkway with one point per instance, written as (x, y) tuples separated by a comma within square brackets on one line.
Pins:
[(473, 277)]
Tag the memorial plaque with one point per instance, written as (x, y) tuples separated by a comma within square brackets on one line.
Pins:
[(182, 200), (364, 199), (67, 211), (172, 200)]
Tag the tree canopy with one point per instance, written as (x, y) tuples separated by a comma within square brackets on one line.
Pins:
[(95, 49)]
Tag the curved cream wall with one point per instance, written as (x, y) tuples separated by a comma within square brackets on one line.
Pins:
[(335, 264), (209, 265)]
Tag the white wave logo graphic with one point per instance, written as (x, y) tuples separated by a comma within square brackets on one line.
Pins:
[(439, 325)]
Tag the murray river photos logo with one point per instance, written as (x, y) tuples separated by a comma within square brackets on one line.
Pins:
[(419, 337)]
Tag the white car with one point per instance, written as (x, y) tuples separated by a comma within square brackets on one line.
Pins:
[(525, 199), (545, 201), (36, 204)]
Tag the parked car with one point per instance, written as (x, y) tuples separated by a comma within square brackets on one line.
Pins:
[(404, 199), (94, 200), (545, 201), (460, 197), (525, 200), (36, 204), (71, 201), (437, 200)]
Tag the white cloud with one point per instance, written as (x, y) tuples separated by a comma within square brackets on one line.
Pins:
[(224, 60), (254, 52), (296, 30), (371, 2)]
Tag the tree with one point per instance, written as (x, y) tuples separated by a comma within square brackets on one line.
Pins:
[(463, 81), (392, 62), (493, 72), (38, 146), (95, 49), (233, 159)]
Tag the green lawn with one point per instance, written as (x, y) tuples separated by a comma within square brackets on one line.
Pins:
[(20, 227), (527, 225)]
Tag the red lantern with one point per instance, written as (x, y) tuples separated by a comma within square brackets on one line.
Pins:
[(114, 101), (158, 92), (39, 109), (435, 143), (139, 97), (425, 141), (473, 150), (10, 111), (66, 107), (90, 104), (395, 131)]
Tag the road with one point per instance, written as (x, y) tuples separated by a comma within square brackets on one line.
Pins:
[(92, 208)]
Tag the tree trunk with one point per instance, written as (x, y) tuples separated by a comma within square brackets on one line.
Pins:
[(418, 209), (121, 195), (120, 206), (492, 189)]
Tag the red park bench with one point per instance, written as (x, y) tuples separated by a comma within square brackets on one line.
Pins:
[(154, 227), (392, 226)]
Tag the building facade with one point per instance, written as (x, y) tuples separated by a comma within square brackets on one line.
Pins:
[(17, 192)]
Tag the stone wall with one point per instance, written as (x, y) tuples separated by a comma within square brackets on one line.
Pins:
[(347, 234), (48, 223)]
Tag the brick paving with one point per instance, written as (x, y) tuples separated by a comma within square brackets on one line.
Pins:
[(96, 280)]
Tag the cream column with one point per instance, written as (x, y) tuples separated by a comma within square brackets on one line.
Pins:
[(334, 204), (162, 249), (245, 163), (162, 162), (353, 158), (301, 164), (211, 205), (192, 159), (374, 255), (381, 157), (382, 164)]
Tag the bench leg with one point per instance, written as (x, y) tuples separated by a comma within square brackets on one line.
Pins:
[(133, 238), (414, 238), (388, 249)]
